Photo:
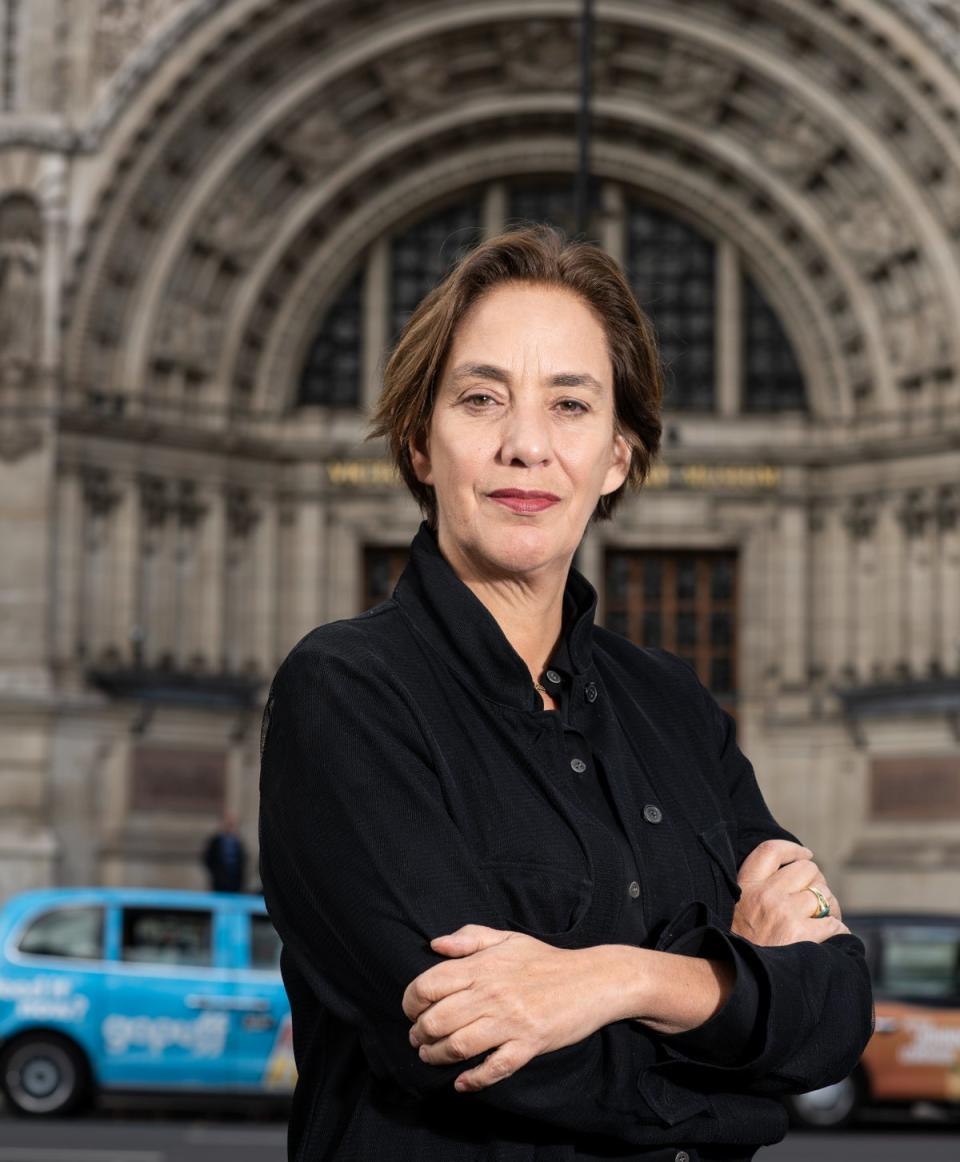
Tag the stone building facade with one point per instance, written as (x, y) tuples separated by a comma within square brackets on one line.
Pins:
[(215, 216)]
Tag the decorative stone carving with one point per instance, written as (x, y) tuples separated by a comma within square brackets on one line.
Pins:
[(121, 26), (242, 514), (860, 516), (541, 54), (795, 145), (100, 493), (155, 500), (872, 233), (21, 305), (916, 511), (917, 343), (188, 335), (415, 81), (189, 507), (317, 143), (947, 506), (236, 225), (695, 85)]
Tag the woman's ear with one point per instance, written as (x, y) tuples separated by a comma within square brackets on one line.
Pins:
[(419, 447), (619, 466)]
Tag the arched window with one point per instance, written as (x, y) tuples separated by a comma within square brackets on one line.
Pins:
[(694, 288), (672, 270), (772, 379), (331, 372), (422, 254)]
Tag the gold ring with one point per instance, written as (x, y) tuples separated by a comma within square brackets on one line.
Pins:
[(823, 907)]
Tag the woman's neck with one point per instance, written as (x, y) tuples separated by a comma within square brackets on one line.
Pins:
[(527, 607)]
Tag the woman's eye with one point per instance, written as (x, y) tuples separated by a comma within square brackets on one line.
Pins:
[(479, 399), (572, 407)]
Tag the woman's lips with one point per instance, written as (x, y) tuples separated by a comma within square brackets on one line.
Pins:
[(519, 500)]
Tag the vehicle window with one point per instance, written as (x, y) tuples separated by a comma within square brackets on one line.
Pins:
[(921, 961), (73, 932), (264, 943), (167, 936)]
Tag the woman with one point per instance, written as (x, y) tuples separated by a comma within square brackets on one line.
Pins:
[(500, 844)]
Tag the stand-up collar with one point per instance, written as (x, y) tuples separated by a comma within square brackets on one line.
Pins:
[(459, 627)]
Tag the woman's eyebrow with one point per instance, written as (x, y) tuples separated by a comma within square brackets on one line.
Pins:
[(498, 375)]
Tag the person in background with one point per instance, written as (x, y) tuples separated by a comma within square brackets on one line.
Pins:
[(225, 857)]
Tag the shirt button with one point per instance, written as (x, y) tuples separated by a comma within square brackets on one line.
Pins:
[(590, 692), (553, 676), (681, 1156), (652, 813), (578, 765), (634, 889)]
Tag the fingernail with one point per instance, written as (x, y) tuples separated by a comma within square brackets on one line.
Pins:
[(423, 1052), (414, 1040)]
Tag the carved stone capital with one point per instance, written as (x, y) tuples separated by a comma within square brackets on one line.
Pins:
[(100, 493), (242, 514), (860, 516)]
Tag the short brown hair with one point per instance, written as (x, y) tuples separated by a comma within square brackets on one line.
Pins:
[(531, 254)]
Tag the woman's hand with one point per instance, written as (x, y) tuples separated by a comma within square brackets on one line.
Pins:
[(775, 906), (504, 991)]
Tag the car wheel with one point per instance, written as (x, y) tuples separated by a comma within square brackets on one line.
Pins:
[(827, 1108), (44, 1075)]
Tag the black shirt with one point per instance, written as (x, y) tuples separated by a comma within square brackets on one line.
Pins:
[(412, 782)]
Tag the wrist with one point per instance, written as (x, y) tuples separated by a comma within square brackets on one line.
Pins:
[(617, 977)]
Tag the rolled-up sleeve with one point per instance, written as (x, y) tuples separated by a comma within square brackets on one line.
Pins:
[(800, 1015)]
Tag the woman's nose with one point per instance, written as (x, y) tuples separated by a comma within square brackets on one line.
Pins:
[(526, 436)]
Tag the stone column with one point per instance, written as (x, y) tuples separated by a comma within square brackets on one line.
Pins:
[(68, 564), (496, 206), (264, 548), (946, 638), (304, 557), (729, 329), (891, 561), (916, 517), (376, 321), (861, 520), (613, 222), (208, 595), (125, 564), (793, 620), (834, 613)]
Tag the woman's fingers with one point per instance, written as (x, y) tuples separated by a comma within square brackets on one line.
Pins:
[(500, 1064), (768, 856), (444, 1017), (463, 1043), (436, 983), (468, 939), (803, 873)]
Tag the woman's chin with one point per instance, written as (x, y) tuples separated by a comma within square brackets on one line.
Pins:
[(524, 548)]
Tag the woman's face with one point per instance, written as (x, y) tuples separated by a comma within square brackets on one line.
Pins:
[(521, 444)]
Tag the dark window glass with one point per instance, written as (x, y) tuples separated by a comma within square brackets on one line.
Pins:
[(553, 200), (721, 579), (618, 578), (651, 630), (686, 579), (70, 932), (382, 566), (618, 623), (181, 936), (686, 629), (721, 675), (423, 253), (772, 377), (721, 629), (652, 577), (672, 271), (331, 373), (921, 961), (264, 943)]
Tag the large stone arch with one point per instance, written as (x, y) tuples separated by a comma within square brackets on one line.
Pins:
[(850, 190)]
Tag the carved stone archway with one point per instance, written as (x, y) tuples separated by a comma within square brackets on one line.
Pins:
[(238, 178)]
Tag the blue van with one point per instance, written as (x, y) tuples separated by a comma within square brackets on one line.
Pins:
[(139, 989)]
